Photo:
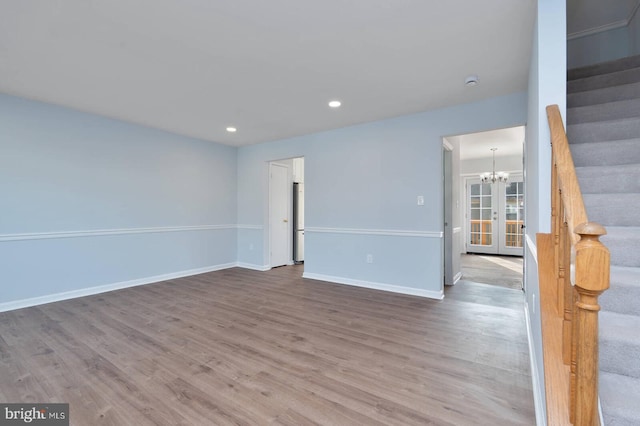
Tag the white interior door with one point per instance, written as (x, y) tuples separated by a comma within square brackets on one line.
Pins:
[(512, 217), (494, 216), (482, 212), (279, 203)]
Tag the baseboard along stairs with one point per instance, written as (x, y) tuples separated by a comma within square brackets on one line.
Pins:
[(603, 129)]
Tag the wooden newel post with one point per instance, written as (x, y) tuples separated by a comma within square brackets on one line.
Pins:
[(591, 279)]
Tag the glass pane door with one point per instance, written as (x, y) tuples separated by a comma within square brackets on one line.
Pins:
[(513, 215), (481, 212), (495, 216)]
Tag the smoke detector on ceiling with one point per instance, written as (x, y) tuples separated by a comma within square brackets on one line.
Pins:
[(471, 81)]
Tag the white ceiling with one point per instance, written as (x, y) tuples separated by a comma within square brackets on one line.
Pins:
[(269, 68), (587, 15), (478, 145)]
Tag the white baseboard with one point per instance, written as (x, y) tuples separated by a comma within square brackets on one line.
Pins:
[(50, 298), (600, 411), (253, 266), (377, 286), (539, 402)]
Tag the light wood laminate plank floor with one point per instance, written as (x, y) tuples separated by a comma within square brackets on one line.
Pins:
[(260, 348)]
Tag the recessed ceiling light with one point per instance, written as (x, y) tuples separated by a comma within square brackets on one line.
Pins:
[(335, 104), (471, 81), (231, 129)]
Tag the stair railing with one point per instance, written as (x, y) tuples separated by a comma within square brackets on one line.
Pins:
[(580, 273)]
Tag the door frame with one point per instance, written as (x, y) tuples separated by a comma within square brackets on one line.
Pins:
[(447, 214)]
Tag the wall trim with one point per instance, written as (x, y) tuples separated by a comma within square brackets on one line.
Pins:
[(457, 278), (249, 226), (538, 394), (253, 266), (57, 297), (384, 232), (376, 286), (103, 232), (607, 27), (533, 249)]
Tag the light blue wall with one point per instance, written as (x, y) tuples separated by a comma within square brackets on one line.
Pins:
[(605, 46), (599, 47), (367, 178), (547, 85), (67, 171)]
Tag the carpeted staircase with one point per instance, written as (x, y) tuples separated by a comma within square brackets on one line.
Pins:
[(603, 128)]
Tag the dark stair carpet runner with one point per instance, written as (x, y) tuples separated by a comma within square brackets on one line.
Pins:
[(603, 128)]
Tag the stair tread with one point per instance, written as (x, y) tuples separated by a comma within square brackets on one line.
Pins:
[(603, 95), (619, 343), (604, 111), (624, 245), (606, 153), (600, 131), (624, 275), (617, 326), (624, 291), (623, 178), (603, 67), (605, 170), (625, 232), (619, 396), (613, 209), (624, 197), (616, 78)]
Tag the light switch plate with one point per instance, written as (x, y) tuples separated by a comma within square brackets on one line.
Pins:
[(421, 200)]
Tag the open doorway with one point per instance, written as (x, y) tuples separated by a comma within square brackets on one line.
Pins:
[(286, 212), (491, 196)]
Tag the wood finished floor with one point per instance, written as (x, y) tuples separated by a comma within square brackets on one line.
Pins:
[(259, 348), (505, 271)]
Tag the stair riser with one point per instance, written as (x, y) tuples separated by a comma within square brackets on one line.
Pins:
[(601, 96), (609, 183), (624, 251), (603, 131), (606, 153), (604, 68), (603, 112), (613, 209), (622, 299), (620, 358), (606, 80), (619, 396)]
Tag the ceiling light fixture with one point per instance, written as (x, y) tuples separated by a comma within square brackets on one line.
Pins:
[(231, 129), (335, 104), (471, 81), (493, 176)]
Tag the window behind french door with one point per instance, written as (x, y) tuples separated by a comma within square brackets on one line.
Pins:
[(494, 216)]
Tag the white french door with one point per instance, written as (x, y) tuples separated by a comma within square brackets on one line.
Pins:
[(495, 216)]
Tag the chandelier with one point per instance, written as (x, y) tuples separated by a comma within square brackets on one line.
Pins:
[(493, 176)]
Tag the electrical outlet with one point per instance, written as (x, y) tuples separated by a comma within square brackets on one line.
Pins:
[(369, 258), (420, 200)]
